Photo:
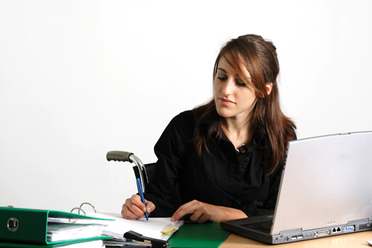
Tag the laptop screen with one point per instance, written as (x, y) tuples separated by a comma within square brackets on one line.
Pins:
[(326, 181)]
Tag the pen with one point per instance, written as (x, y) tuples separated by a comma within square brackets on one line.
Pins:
[(140, 191)]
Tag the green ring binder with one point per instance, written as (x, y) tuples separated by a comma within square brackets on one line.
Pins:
[(22, 225)]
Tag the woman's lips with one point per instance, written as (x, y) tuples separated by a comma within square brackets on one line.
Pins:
[(226, 101)]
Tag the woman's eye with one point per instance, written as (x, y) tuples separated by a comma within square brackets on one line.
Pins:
[(222, 78), (240, 84)]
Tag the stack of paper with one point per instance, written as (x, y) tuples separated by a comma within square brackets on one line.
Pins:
[(157, 228), (70, 231)]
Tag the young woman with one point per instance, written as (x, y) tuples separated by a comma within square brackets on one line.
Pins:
[(223, 160)]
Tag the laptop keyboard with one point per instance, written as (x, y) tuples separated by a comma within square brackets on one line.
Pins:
[(259, 226)]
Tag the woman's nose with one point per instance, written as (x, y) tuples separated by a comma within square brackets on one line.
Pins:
[(228, 87)]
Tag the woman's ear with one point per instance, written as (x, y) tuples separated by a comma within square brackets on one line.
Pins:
[(269, 87)]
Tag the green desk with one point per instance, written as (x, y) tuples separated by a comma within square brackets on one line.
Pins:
[(208, 235)]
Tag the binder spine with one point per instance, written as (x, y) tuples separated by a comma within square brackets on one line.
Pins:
[(17, 225)]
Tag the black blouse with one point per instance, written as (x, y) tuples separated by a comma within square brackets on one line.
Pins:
[(217, 178)]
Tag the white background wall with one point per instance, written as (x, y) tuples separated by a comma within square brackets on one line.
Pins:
[(80, 78)]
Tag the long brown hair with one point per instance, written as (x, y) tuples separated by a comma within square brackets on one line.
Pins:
[(259, 57)]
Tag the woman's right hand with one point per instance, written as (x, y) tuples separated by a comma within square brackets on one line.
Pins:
[(133, 208)]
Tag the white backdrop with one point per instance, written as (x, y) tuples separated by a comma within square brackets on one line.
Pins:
[(80, 78)]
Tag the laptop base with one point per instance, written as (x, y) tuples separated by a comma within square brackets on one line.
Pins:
[(241, 227)]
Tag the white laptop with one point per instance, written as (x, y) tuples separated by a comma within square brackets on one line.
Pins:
[(325, 190)]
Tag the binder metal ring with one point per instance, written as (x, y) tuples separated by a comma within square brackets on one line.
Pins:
[(12, 224), (80, 208)]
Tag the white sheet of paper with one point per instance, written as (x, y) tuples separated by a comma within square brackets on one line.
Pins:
[(151, 228)]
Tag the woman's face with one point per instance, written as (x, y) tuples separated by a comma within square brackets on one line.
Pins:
[(234, 98)]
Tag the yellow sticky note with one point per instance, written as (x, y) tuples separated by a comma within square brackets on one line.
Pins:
[(169, 229)]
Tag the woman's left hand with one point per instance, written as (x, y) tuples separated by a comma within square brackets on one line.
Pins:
[(202, 212)]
